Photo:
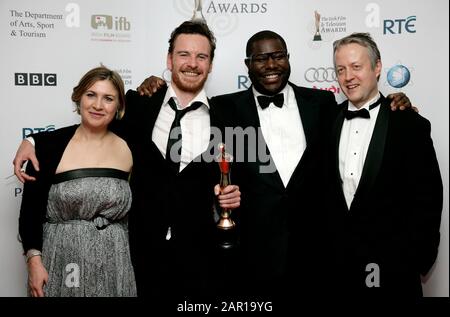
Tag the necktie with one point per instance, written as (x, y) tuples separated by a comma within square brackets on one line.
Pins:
[(174, 157), (361, 113), (264, 101)]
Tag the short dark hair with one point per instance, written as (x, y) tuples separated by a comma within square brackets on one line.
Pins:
[(263, 35), (190, 27)]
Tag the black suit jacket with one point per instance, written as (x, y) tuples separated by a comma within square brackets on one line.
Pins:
[(33, 209), (162, 199), (280, 228), (394, 218)]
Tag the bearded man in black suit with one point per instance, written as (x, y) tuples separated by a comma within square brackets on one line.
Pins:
[(279, 137)]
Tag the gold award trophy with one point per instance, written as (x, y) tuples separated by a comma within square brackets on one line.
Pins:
[(224, 159), (317, 36)]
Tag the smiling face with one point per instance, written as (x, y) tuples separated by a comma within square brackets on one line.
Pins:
[(98, 104), (268, 75), (190, 62), (356, 76)]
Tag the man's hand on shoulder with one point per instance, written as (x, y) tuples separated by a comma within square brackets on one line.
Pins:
[(24, 153), (400, 101), (151, 85)]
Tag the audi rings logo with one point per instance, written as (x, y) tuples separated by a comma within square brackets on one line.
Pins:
[(320, 75)]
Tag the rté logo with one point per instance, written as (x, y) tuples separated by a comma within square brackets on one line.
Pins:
[(398, 25), (27, 131)]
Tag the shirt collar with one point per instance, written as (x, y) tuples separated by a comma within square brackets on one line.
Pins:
[(352, 107), (201, 96), (285, 91)]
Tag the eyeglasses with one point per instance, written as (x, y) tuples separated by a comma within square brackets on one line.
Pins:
[(263, 58)]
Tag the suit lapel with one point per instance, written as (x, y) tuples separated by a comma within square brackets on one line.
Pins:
[(374, 155), (336, 137), (309, 117), (247, 116), (151, 108), (154, 107), (308, 113), (212, 141), (246, 111)]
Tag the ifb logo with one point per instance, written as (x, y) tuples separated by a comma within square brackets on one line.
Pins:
[(396, 26), (34, 79), (102, 21)]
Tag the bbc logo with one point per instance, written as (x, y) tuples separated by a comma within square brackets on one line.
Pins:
[(34, 79)]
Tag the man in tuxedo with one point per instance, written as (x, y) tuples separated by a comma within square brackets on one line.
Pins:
[(386, 189), (172, 219), (280, 169), (172, 222), (280, 218)]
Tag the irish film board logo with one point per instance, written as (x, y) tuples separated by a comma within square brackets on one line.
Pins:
[(108, 22), (398, 76), (108, 28), (102, 22)]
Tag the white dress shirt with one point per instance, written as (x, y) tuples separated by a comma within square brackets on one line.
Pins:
[(282, 129), (354, 143), (195, 127)]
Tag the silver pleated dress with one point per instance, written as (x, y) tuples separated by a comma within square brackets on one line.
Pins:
[(85, 248)]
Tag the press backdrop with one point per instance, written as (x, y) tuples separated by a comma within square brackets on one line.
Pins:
[(47, 45)]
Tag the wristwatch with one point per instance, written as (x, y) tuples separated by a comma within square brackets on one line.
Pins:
[(31, 253)]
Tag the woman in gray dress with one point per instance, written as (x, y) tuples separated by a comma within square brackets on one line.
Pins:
[(73, 218)]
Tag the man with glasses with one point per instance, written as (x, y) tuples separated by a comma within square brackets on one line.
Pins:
[(283, 246), (279, 221)]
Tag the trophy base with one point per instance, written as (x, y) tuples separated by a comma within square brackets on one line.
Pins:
[(227, 239), (317, 38), (227, 246)]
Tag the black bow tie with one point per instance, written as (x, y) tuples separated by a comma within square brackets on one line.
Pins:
[(264, 101), (361, 113)]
